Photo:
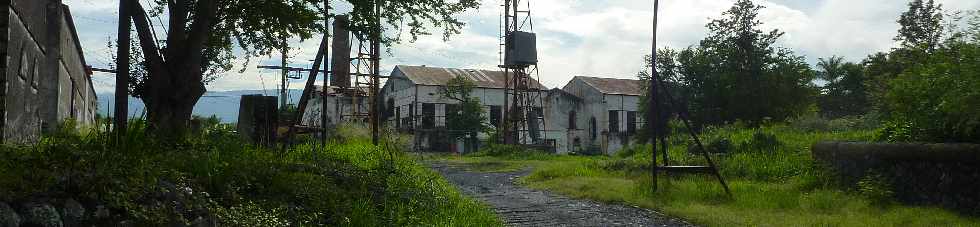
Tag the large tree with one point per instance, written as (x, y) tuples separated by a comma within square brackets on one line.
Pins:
[(202, 38), (737, 73), (844, 92)]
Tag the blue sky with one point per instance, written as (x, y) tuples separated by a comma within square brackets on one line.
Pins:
[(605, 38)]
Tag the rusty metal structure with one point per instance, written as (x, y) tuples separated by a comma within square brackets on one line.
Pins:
[(660, 105), (523, 122)]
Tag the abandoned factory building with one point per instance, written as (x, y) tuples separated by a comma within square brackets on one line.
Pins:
[(411, 96), (594, 115), (43, 75), (588, 115)]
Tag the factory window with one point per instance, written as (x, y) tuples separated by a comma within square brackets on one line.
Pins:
[(631, 122), (613, 121), (572, 118), (593, 129), (452, 111), (23, 63), (428, 115), (495, 116), (35, 76)]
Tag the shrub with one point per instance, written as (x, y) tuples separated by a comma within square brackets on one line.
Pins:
[(149, 182), (762, 142), (876, 188)]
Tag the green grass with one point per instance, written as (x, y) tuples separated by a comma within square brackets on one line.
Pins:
[(347, 182), (773, 185)]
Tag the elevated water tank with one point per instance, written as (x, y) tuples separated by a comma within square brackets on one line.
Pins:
[(521, 49)]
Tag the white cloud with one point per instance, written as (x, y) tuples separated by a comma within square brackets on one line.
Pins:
[(582, 37)]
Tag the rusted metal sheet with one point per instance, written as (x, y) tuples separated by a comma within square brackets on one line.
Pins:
[(614, 86), (435, 76)]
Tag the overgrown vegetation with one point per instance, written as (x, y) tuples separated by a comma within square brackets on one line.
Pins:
[(217, 177), (924, 90), (774, 180)]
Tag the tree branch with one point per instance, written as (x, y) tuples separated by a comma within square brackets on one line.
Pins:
[(199, 34), (151, 52), (178, 30)]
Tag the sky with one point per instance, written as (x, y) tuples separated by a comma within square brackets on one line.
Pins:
[(601, 38)]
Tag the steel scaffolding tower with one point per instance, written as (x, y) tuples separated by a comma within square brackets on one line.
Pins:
[(523, 122)]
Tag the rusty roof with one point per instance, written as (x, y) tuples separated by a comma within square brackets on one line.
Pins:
[(614, 86), (435, 76)]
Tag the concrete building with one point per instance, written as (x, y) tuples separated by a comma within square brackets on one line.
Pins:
[(340, 108), (43, 75), (594, 115), (411, 98)]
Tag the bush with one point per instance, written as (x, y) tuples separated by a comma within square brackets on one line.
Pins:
[(716, 146), (217, 176), (762, 142), (937, 100), (875, 187)]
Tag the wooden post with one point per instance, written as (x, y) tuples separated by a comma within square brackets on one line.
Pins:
[(326, 73), (375, 74), (121, 110), (653, 109)]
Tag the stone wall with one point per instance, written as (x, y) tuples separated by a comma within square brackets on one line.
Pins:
[(946, 175)]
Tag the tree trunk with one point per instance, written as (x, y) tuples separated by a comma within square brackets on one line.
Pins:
[(175, 74), (170, 106)]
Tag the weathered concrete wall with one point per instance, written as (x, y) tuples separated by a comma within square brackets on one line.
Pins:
[(595, 108), (924, 174), (339, 110), (258, 118), (44, 85), (562, 113), (25, 60)]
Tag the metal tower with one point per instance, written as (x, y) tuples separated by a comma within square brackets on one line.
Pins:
[(523, 106)]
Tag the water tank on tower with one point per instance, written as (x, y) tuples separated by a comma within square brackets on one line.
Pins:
[(521, 49)]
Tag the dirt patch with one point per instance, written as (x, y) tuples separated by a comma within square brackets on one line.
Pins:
[(520, 206)]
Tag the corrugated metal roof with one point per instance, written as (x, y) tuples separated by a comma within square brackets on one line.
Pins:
[(614, 86), (435, 76)]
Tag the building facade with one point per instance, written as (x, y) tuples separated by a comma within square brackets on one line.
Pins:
[(414, 104), (594, 115), (45, 80)]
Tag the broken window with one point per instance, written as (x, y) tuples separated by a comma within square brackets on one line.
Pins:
[(572, 118), (593, 132), (452, 111), (23, 63), (631, 122), (35, 76), (613, 121), (398, 117), (428, 115), (495, 116)]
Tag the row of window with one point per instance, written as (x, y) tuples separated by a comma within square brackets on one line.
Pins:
[(614, 121), (428, 115)]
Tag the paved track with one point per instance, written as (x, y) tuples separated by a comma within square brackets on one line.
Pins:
[(520, 206)]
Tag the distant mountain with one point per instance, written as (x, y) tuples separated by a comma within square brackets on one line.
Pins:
[(223, 104)]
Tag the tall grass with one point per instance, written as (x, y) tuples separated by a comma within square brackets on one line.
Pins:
[(347, 182), (774, 180)]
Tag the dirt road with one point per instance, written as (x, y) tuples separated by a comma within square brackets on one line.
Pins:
[(520, 206)]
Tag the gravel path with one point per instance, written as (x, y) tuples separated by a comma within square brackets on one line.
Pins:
[(520, 206)]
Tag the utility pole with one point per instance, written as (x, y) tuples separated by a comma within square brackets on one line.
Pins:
[(284, 93), (653, 106), (326, 77), (122, 69), (376, 73), (660, 105)]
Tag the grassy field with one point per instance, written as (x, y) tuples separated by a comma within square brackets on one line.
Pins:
[(774, 180), (347, 182)]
